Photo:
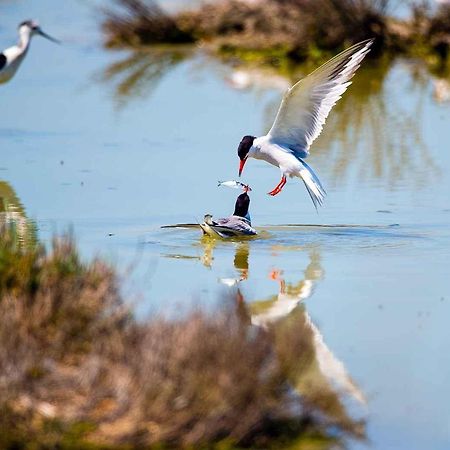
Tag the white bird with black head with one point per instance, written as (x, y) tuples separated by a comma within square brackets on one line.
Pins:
[(300, 120), (12, 57)]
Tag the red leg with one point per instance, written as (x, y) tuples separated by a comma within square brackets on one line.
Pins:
[(279, 187)]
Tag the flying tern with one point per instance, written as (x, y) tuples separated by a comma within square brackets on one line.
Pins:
[(300, 120)]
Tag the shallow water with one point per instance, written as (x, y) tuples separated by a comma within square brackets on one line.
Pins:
[(116, 145)]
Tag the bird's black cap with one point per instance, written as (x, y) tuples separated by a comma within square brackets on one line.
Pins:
[(242, 205), (244, 146), (29, 23)]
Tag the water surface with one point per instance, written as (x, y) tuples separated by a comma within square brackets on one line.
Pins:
[(116, 144)]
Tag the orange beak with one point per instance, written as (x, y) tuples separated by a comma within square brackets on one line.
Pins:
[(241, 165)]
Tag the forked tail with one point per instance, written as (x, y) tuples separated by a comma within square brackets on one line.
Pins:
[(313, 185)]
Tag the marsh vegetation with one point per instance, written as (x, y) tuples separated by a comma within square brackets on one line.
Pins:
[(292, 340), (79, 369), (283, 31)]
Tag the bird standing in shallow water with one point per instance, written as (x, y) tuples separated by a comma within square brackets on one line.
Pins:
[(300, 120), (12, 57)]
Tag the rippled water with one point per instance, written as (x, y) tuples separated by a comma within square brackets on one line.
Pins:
[(116, 144)]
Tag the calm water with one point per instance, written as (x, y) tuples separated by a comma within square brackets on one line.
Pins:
[(116, 144)]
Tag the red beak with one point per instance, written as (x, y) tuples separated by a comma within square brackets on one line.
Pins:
[(241, 165)]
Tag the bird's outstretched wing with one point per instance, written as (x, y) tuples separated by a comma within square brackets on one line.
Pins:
[(306, 105), (182, 225)]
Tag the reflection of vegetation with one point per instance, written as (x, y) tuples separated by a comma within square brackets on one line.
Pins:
[(138, 73), (12, 213), (78, 370), (375, 136), (273, 30), (368, 135)]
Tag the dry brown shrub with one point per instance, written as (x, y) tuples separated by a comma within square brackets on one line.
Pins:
[(290, 26), (439, 30), (77, 367), (295, 25), (294, 29), (142, 22)]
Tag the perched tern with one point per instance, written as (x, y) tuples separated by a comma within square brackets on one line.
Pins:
[(300, 120), (238, 224), (12, 57)]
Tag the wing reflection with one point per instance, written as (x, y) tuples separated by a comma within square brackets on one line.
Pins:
[(315, 372), (318, 375), (290, 295)]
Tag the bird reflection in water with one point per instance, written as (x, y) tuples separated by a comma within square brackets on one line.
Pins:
[(265, 312), (314, 370), (315, 373), (240, 264)]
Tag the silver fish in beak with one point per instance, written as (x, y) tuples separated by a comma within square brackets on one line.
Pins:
[(235, 185)]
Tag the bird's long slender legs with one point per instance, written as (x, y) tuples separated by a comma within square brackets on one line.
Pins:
[(279, 187)]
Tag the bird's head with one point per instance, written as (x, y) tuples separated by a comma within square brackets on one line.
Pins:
[(243, 151), (208, 219), (242, 205), (32, 28)]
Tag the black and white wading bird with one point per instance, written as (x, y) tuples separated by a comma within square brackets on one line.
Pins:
[(238, 224), (300, 120), (12, 57)]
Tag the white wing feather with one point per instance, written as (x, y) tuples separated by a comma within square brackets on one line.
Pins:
[(306, 105)]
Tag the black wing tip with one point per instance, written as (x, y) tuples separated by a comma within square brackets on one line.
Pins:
[(3, 60)]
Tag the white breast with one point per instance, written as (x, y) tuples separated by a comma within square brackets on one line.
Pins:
[(14, 56), (277, 156)]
